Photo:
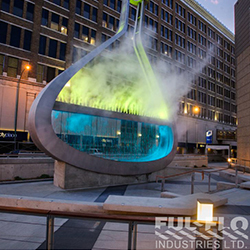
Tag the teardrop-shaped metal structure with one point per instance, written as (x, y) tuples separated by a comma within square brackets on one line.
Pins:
[(44, 136)]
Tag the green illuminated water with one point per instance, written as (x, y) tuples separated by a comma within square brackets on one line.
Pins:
[(116, 82)]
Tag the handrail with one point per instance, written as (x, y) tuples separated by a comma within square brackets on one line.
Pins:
[(163, 178), (131, 219)]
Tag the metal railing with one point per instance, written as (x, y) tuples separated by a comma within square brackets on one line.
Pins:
[(131, 219), (192, 172)]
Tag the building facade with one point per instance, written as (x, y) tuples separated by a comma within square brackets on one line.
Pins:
[(50, 35), (242, 42)]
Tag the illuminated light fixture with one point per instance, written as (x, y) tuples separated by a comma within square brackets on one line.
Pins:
[(118, 132), (157, 136), (196, 110), (27, 67), (205, 210), (139, 135), (229, 160)]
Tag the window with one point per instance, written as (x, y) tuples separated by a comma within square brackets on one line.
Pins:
[(191, 48), (93, 37), (27, 40), (202, 54), (62, 51), (202, 40), (211, 86), (86, 10), (202, 83), (54, 21), (51, 73), (85, 34), (77, 30), (219, 39), (227, 93), (94, 14), (192, 33), (202, 27), (3, 32), (111, 24), (52, 48), (166, 49), (211, 100), (105, 20), (179, 10), (66, 4), (12, 67), (18, 8), (112, 4), (180, 41), (133, 14), (78, 7), (64, 27), (192, 94), (211, 72), (45, 17), (15, 36), (30, 11), (179, 25), (58, 2), (192, 18), (42, 45), (40, 73), (191, 62), (1, 64), (211, 33), (202, 97), (219, 64), (180, 57), (5, 5), (219, 90)]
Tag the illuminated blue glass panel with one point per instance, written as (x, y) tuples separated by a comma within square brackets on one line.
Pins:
[(113, 139)]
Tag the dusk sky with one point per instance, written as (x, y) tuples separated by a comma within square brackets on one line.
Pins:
[(223, 10)]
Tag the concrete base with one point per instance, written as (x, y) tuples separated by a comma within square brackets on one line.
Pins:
[(222, 185), (245, 185), (69, 177), (26, 168), (184, 205)]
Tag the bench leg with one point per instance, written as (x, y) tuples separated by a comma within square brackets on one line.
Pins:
[(50, 233), (132, 236)]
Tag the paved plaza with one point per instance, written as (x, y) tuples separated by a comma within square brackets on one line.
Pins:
[(28, 232)]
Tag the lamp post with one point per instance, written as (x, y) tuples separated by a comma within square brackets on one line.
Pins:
[(27, 67)]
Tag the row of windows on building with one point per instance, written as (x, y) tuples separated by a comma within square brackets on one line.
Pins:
[(204, 113), (19, 8), (19, 37), (13, 66), (211, 100), (168, 17)]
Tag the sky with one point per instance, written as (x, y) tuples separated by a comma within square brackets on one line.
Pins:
[(223, 10)]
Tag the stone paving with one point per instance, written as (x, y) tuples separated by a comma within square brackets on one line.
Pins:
[(28, 232)]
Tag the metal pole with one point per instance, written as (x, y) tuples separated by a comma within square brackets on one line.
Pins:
[(192, 183), (50, 233), (16, 109), (162, 184), (209, 182), (236, 177), (132, 236)]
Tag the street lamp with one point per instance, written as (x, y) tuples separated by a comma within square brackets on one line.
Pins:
[(27, 67)]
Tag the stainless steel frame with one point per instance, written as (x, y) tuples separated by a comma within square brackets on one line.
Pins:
[(43, 135)]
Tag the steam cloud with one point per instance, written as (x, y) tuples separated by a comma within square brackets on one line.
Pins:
[(115, 81)]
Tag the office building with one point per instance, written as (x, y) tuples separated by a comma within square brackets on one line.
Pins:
[(50, 35)]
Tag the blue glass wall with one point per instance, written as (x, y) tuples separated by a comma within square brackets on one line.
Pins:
[(113, 139)]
